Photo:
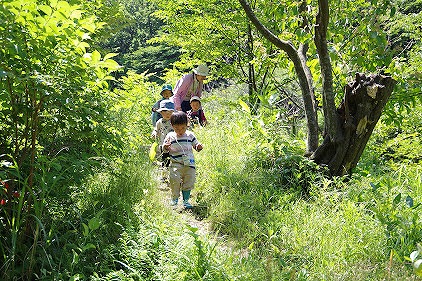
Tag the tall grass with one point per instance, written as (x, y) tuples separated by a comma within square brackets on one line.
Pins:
[(291, 221), (274, 214)]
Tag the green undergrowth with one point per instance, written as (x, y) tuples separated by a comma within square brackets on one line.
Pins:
[(273, 214), (282, 211)]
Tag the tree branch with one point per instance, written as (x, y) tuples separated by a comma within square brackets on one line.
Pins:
[(320, 39), (298, 57), (282, 44)]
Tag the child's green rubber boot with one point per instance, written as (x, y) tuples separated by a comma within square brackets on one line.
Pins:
[(186, 196)]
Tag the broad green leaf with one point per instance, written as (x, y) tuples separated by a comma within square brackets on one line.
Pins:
[(153, 151), (94, 223), (244, 106), (110, 64), (89, 26), (397, 199), (85, 230), (95, 57), (110, 55), (63, 5), (88, 246), (81, 45), (76, 14), (46, 9)]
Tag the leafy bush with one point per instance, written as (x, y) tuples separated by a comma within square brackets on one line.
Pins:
[(395, 201)]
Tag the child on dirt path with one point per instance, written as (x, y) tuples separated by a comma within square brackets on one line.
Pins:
[(180, 145), (196, 115), (161, 129), (166, 93)]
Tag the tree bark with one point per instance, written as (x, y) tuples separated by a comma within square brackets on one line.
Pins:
[(356, 117)]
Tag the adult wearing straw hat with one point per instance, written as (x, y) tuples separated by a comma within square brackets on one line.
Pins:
[(189, 85)]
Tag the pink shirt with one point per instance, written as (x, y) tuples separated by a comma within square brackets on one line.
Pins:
[(182, 88)]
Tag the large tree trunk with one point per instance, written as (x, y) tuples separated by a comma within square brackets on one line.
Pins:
[(357, 115)]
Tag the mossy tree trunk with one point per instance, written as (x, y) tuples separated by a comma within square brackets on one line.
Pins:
[(362, 105)]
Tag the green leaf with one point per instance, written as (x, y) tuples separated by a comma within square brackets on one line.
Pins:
[(95, 57), (63, 5), (153, 151), (86, 230), (82, 45), (77, 14), (392, 11), (94, 223), (244, 106), (75, 259), (109, 56), (46, 9), (88, 246), (89, 26), (110, 64), (397, 199)]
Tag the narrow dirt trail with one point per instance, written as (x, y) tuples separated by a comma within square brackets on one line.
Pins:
[(193, 217), (196, 218)]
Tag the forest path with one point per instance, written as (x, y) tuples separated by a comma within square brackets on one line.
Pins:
[(194, 217)]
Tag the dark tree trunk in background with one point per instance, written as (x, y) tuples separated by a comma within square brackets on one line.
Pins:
[(357, 115)]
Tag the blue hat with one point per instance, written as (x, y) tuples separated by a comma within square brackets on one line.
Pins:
[(166, 105), (167, 87)]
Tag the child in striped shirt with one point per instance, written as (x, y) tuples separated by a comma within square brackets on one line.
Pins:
[(180, 145)]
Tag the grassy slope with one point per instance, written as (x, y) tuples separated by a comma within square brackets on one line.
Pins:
[(341, 231)]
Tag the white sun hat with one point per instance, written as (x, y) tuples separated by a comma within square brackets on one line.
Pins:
[(202, 70)]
